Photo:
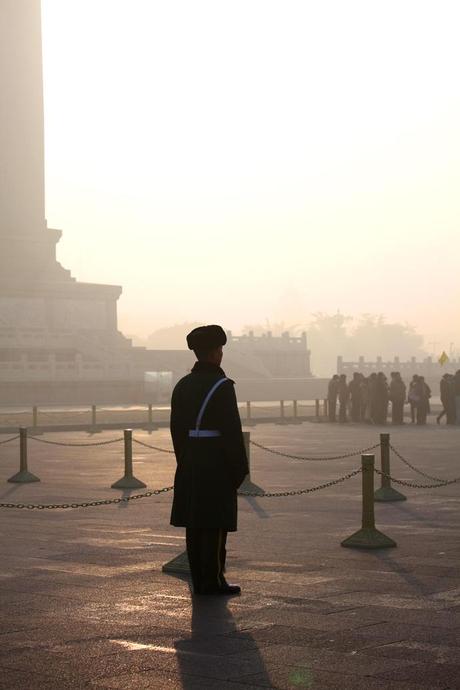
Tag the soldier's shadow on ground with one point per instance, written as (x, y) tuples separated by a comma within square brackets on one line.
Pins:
[(215, 633)]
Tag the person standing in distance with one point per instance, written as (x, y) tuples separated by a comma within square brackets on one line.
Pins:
[(211, 461), (332, 394)]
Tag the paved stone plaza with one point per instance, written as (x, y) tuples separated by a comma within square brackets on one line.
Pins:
[(85, 605)]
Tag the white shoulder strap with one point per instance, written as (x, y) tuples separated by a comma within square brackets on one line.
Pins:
[(207, 399)]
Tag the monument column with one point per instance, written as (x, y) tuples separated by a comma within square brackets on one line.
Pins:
[(27, 247), (38, 298)]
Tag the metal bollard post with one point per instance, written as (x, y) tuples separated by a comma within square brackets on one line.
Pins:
[(368, 537), (248, 484), (386, 491), (128, 481), (317, 409), (248, 410), (35, 416), (282, 417), (93, 415), (23, 476)]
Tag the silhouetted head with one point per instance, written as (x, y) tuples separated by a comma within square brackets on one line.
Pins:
[(207, 343)]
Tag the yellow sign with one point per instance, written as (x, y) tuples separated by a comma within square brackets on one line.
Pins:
[(443, 359)]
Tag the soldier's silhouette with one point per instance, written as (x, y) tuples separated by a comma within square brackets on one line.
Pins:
[(211, 461)]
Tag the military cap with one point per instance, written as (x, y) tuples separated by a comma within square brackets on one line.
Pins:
[(206, 338)]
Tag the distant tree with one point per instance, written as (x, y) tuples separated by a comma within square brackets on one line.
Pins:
[(327, 338), (368, 336), (171, 337), (372, 337)]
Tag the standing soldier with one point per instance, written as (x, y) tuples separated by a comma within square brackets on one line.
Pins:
[(397, 397), (381, 399), (413, 397), (211, 461), (332, 393), (355, 390), (447, 399), (343, 398), (365, 400), (457, 396)]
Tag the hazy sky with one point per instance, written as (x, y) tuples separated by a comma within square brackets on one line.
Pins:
[(250, 159)]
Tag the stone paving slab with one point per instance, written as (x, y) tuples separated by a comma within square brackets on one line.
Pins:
[(84, 603)]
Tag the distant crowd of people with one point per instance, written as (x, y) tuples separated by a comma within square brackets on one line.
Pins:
[(368, 398)]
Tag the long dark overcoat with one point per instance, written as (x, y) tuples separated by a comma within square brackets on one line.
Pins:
[(209, 470)]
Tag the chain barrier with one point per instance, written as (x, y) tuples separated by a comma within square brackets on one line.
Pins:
[(271, 494), (301, 457), (413, 485), (147, 445), (423, 474), (76, 445), (7, 440), (86, 504), (156, 492)]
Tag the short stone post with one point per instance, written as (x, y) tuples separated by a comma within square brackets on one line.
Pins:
[(368, 537), (386, 491), (317, 409), (35, 416), (248, 410), (128, 481), (282, 417), (150, 414), (23, 476), (93, 416), (295, 413), (325, 407)]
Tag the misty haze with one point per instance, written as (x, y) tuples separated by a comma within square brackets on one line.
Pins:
[(228, 305)]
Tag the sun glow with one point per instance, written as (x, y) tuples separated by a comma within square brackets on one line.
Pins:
[(212, 157)]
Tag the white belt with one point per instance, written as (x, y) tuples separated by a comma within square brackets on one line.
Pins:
[(206, 433), (203, 433)]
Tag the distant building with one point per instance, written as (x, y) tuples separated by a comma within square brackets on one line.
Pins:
[(284, 356), (429, 368)]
